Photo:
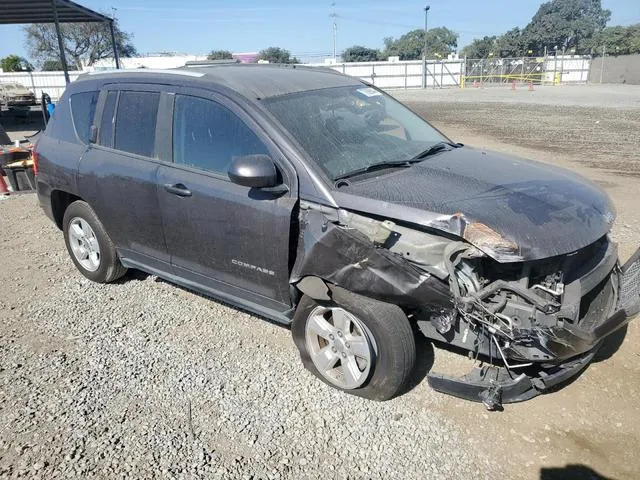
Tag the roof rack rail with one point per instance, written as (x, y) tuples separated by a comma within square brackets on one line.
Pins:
[(208, 63)]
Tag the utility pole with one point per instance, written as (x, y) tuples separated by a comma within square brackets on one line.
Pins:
[(604, 51), (334, 15), (424, 49)]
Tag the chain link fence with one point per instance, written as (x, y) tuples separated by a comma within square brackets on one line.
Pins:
[(552, 70)]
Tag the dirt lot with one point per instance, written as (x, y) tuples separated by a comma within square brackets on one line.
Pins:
[(144, 379)]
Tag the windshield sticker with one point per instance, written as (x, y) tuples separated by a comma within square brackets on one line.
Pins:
[(369, 92)]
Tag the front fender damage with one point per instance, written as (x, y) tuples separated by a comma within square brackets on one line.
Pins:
[(524, 322), (340, 255)]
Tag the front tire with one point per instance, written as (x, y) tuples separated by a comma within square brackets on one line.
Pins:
[(89, 245), (356, 344)]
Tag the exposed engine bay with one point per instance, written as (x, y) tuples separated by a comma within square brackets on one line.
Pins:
[(528, 324)]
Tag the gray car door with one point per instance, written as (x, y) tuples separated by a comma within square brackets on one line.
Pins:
[(117, 175), (227, 238)]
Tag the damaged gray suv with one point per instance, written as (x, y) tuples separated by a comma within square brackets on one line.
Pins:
[(318, 201)]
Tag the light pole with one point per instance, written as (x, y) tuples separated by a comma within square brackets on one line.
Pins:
[(335, 30), (424, 49)]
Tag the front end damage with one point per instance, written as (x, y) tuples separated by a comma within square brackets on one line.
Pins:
[(530, 325)]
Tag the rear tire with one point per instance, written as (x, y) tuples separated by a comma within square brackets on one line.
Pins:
[(89, 245), (384, 327)]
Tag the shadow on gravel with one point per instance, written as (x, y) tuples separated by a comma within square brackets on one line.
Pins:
[(571, 472), (610, 345), (425, 356), (206, 297), (132, 274)]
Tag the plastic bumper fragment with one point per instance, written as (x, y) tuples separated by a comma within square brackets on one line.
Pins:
[(630, 286), (494, 385)]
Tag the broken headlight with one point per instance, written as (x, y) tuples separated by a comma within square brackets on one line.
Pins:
[(489, 241)]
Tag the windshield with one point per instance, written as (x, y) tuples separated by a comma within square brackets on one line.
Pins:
[(348, 129)]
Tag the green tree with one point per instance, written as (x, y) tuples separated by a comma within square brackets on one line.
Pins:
[(358, 53), (54, 66), (512, 44), (568, 24), (440, 40), (14, 63), (277, 55), (220, 55), (617, 40), (481, 47), (84, 43)]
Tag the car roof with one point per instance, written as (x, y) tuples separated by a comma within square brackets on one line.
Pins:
[(253, 81)]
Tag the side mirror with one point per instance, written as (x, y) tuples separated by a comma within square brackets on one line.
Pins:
[(255, 171)]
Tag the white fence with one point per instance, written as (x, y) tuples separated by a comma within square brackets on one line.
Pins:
[(458, 72), (445, 73), (567, 69), (50, 82), (402, 74)]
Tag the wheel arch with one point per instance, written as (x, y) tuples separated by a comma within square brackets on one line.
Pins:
[(322, 290), (60, 201)]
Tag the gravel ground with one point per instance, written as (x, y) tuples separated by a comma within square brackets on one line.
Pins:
[(606, 96), (600, 123), (143, 379)]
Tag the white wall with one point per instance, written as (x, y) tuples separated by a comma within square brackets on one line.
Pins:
[(154, 61), (571, 68), (446, 73), (406, 74)]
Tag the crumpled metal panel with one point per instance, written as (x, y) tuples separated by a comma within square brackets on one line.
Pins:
[(347, 258)]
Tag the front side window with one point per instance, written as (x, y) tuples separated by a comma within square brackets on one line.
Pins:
[(347, 129), (83, 108), (136, 122), (209, 136)]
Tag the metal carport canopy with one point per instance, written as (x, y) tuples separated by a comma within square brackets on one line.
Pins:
[(53, 11)]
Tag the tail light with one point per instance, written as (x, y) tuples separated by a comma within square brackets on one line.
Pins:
[(34, 157)]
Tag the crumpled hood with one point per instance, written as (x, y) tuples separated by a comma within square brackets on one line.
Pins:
[(545, 210), (18, 90)]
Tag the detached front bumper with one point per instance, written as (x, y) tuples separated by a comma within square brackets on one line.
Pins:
[(494, 385)]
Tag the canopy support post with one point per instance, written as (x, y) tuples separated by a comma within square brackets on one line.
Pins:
[(114, 45), (63, 58)]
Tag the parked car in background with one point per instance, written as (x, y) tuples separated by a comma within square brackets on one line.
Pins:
[(318, 201), (14, 94)]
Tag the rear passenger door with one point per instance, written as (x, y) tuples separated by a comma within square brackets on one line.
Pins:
[(117, 175), (230, 239)]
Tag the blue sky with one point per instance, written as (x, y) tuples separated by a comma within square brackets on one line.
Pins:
[(304, 27)]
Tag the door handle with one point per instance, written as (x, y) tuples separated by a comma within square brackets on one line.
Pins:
[(177, 189)]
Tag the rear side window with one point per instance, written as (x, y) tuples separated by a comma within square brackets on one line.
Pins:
[(136, 122), (207, 135), (105, 137), (83, 108), (60, 125)]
